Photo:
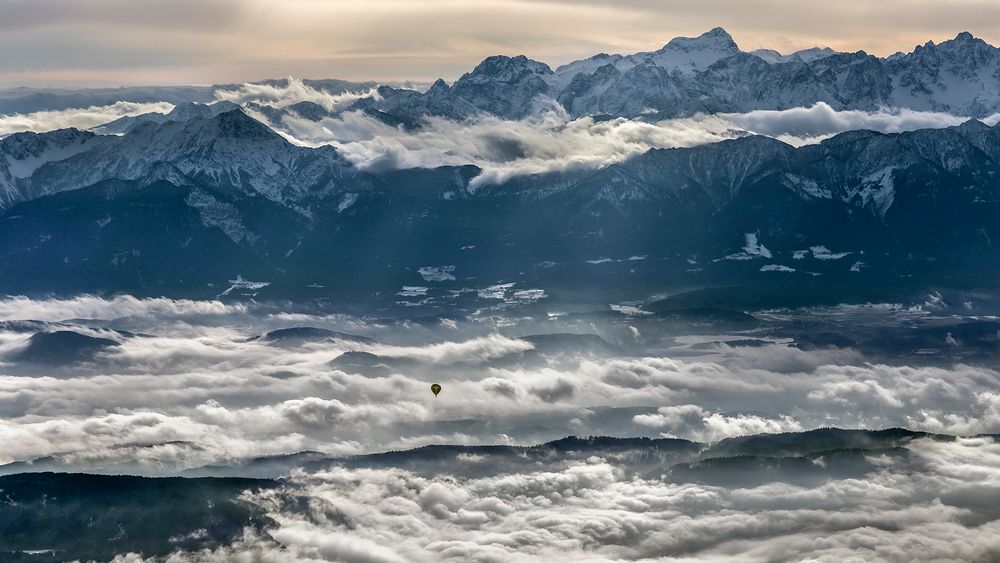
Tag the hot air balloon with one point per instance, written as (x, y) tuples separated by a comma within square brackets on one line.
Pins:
[(435, 388)]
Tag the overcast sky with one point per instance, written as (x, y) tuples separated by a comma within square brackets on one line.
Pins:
[(108, 42)]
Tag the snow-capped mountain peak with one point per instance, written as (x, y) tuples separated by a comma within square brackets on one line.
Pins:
[(805, 55), (715, 39), (967, 38), (181, 112), (686, 54), (230, 150), (27, 151), (500, 85), (504, 69), (21, 154), (709, 73), (438, 86), (564, 74), (189, 110)]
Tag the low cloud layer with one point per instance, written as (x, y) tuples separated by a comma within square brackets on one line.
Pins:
[(79, 118), (550, 140), (798, 126), (195, 383), (190, 383), (292, 91), (93, 307), (920, 505)]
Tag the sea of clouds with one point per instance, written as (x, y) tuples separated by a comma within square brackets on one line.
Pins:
[(937, 505), (190, 384)]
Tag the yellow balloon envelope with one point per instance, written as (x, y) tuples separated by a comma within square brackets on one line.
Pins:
[(435, 388)]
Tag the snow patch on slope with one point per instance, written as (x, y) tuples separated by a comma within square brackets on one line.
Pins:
[(776, 268), (752, 248), (348, 200), (26, 166), (807, 186), (824, 253), (244, 286), (437, 273), (220, 215), (877, 191)]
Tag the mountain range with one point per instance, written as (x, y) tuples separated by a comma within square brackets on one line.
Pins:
[(181, 207), (710, 74), (207, 201)]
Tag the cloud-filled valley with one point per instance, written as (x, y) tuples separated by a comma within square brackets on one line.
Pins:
[(202, 384), (195, 383), (913, 505), (551, 141)]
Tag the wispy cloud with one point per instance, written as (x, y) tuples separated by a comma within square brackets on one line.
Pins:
[(291, 91), (549, 140), (79, 118)]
